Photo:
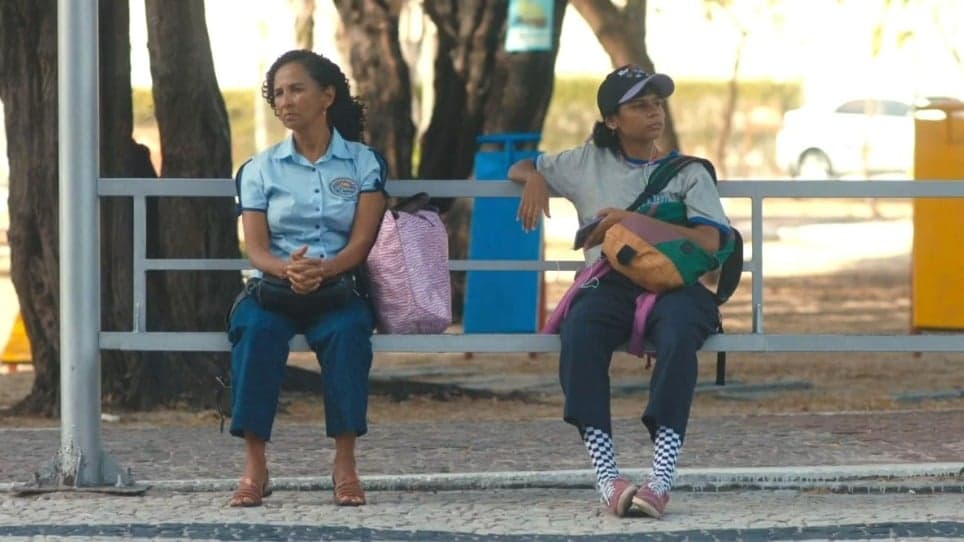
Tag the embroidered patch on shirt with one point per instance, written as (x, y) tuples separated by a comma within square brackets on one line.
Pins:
[(344, 188)]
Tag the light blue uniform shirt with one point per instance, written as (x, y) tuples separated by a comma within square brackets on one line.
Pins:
[(310, 203)]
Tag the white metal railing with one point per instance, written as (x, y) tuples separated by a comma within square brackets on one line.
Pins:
[(756, 341)]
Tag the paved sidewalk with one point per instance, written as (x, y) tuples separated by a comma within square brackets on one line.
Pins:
[(853, 495), (503, 515), (914, 437)]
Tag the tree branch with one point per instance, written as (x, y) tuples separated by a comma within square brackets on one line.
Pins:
[(620, 31)]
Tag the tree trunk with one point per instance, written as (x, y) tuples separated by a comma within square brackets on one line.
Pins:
[(522, 85), (468, 39), (120, 156), (729, 110), (381, 78), (622, 33), (478, 85), (28, 88), (479, 88), (195, 143), (305, 24)]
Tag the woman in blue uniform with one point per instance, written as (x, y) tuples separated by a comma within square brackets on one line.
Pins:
[(310, 207)]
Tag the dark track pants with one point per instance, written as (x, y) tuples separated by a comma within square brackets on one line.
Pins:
[(599, 321)]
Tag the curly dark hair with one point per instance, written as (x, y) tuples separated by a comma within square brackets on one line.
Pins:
[(605, 137), (347, 114)]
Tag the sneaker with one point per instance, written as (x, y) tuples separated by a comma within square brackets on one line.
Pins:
[(651, 501), (619, 496)]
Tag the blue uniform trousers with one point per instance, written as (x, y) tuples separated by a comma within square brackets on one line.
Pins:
[(599, 321), (340, 338)]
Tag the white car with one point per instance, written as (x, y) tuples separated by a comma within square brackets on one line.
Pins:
[(857, 137)]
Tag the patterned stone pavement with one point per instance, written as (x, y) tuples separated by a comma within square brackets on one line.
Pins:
[(503, 515), (529, 445), (929, 510)]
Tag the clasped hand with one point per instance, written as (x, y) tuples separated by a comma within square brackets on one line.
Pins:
[(306, 274)]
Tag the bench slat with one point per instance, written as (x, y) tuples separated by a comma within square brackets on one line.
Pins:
[(238, 264), (756, 191), (533, 342), (469, 189)]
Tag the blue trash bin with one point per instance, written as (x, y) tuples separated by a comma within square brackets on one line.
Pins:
[(502, 301)]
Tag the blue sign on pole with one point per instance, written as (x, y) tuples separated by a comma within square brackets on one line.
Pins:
[(529, 26), (501, 301)]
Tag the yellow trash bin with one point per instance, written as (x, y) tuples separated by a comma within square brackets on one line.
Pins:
[(937, 268)]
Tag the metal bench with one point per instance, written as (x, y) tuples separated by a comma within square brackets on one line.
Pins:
[(756, 341)]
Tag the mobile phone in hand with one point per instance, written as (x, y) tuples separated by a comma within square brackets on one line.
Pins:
[(583, 233)]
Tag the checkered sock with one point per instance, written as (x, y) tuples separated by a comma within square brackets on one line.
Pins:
[(603, 454), (665, 452)]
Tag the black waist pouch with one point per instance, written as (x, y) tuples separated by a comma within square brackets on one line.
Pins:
[(275, 294)]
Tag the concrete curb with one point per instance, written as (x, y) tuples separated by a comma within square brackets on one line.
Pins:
[(883, 478)]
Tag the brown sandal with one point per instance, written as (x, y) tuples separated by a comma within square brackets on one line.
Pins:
[(249, 494), (348, 492)]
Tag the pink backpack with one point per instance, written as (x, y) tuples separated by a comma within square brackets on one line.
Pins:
[(408, 272)]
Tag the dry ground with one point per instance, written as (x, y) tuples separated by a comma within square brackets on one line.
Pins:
[(870, 296)]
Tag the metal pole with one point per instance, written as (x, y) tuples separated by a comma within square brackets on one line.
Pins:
[(80, 443), (756, 230), (81, 461)]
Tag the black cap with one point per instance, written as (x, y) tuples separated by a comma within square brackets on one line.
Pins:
[(628, 82)]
